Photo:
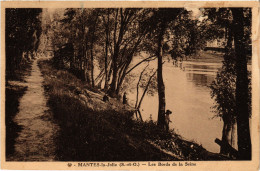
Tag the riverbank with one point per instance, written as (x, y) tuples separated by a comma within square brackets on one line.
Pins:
[(93, 130)]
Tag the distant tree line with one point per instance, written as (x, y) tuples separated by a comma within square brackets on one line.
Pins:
[(22, 32)]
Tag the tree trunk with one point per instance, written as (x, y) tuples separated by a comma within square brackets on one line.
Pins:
[(110, 73), (114, 77), (86, 71), (91, 51), (137, 86), (114, 61), (161, 88), (106, 51), (243, 131), (233, 134), (145, 90), (227, 117), (226, 136), (92, 65), (82, 56), (100, 82), (140, 115), (121, 76)]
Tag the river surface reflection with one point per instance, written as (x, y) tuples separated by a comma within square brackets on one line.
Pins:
[(188, 96)]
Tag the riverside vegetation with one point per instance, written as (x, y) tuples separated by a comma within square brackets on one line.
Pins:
[(97, 131), (108, 41)]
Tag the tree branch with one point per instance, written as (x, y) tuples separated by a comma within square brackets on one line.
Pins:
[(137, 86), (146, 88), (144, 60)]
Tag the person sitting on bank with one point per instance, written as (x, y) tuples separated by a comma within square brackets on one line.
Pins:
[(167, 119), (105, 98)]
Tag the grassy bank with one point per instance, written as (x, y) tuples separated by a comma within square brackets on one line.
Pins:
[(19, 73), (12, 94), (92, 130), (14, 90)]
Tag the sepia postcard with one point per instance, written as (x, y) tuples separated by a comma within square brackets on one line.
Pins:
[(130, 85)]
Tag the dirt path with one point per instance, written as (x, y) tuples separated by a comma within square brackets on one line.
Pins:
[(35, 142)]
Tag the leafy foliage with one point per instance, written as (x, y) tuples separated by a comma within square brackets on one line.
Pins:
[(223, 90), (224, 86), (23, 29)]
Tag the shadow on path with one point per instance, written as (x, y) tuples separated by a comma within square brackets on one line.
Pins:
[(35, 141)]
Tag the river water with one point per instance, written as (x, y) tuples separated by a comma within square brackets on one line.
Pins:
[(188, 97)]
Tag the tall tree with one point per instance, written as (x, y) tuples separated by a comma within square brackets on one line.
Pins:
[(232, 86), (223, 87), (159, 22), (107, 30), (92, 38), (161, 87), (243, 131)]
